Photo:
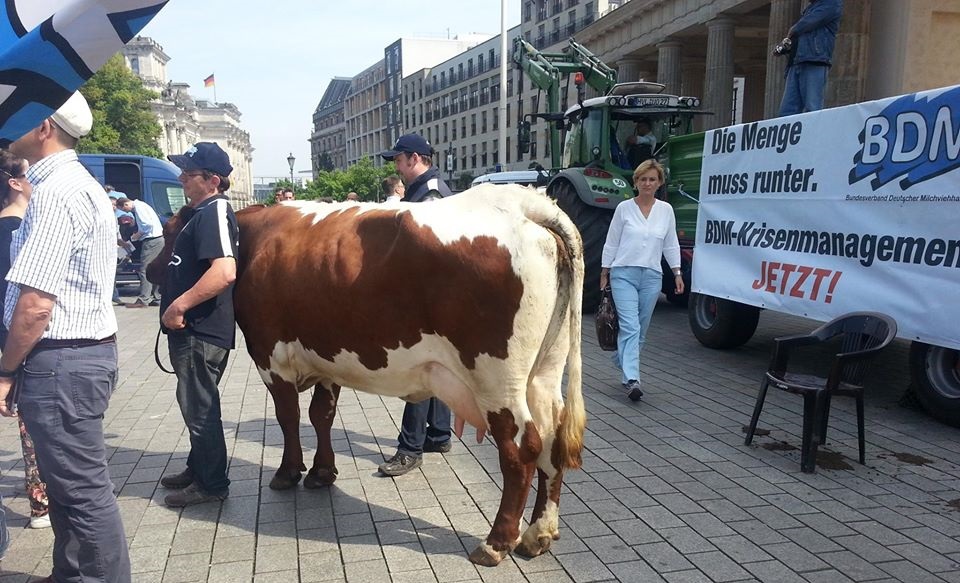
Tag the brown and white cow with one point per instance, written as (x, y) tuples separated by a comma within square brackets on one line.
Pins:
[(474, 299)]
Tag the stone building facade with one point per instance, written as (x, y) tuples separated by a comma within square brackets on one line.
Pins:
[(186, 120), (718, 50), (455, 106), (363, 112), (328, 140), (373, 114)]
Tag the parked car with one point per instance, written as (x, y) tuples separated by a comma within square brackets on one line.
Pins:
[(524, 177)]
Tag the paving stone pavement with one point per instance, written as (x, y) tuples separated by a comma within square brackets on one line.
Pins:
[(668, 491)]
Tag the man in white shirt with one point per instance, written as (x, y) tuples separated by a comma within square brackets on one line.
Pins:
[(392, 187), (150, 234), (61, 349)]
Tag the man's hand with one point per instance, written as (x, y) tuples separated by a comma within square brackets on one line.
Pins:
[(173, 317), (6, 385)]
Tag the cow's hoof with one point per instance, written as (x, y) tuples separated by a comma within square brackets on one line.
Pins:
[(530, 547), (320, 478), (284, 481), (486, 556)]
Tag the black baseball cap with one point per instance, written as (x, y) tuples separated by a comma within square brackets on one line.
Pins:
[(204, 156), (409, 144)]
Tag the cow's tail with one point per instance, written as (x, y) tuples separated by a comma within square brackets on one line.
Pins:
[(573, 419)]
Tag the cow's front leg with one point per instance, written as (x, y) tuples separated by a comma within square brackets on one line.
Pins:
[(287, 406), (517, 464), (323, 409)]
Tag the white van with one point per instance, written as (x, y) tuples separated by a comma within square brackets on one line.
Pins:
[(523, 177)]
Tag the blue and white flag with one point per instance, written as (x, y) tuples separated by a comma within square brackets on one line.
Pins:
[(49, 48)]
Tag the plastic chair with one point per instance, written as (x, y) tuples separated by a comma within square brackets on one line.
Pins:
[(864, 334)]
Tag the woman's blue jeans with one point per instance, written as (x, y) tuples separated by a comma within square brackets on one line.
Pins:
[(635, 293)]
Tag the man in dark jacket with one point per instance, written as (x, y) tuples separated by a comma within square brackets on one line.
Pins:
[(426, 425), (811, 54)]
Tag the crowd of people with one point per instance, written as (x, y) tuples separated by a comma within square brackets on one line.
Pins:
[(58, 366)]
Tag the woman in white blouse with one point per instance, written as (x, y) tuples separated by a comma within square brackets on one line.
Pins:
[(642, 230)]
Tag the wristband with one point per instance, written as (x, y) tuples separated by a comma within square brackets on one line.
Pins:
[(9, 374)]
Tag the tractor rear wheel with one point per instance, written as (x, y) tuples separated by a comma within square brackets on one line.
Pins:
[(593, 223)]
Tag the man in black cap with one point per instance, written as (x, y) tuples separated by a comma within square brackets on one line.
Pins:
[(413, 157), (197, 316), (426, 425)]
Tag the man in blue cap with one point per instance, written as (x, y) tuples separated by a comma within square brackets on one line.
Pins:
[(197, 316), (426, 425)]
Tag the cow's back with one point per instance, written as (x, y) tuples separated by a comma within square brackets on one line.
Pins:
[(319, 280)]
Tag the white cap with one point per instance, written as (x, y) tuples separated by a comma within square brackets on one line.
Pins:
[(74, 116)]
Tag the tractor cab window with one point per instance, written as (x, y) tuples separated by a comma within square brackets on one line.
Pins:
[(585, 132)]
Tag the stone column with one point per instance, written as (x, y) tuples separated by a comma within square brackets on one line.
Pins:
[(783, 13), (668, 66), (753, 92), (847, 80), (691, 83), (718, 84), (629, 70)]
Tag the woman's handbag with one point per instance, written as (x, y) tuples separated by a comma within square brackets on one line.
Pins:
[(608, 327)]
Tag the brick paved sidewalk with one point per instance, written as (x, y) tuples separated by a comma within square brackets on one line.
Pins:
[(668, 491)]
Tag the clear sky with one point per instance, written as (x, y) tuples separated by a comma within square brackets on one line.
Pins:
[(274, 59)]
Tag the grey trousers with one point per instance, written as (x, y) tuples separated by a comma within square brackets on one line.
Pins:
[(64, 396), (149, 250)]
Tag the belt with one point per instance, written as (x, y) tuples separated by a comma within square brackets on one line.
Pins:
[(74, 343), (152, 238)]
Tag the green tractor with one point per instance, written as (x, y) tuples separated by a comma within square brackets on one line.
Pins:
[(594, 150)]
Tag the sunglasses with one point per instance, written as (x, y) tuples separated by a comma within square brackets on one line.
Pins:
[(11, 175)]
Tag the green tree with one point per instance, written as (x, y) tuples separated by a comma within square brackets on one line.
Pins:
[(363, 178), (122, 120), (464, 180), (325, 162)]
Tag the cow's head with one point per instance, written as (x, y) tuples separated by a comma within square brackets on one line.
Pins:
[(156, 271)]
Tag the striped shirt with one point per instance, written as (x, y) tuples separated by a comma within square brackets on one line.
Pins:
[(66, 248)]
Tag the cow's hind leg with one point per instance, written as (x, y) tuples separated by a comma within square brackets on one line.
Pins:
[(546, 406), (287, 405), (545, 521), (517, 463), (323, 409)]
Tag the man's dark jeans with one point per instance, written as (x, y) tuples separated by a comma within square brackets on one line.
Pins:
[(64, 396), (199, 366), (414, 430)]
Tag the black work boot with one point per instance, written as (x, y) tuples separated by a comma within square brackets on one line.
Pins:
[(436, 448), (400, 464), (190, 495), (177, 481)]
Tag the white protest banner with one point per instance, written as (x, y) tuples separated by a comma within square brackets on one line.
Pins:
[(841, 210)]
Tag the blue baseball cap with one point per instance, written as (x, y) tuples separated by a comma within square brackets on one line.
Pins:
[(204, 156), (409, 144)]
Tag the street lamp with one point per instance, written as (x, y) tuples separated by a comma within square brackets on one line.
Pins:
[(291, 160), (450, 159)]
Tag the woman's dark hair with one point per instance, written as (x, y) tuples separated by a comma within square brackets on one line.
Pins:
[(10, 167)]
